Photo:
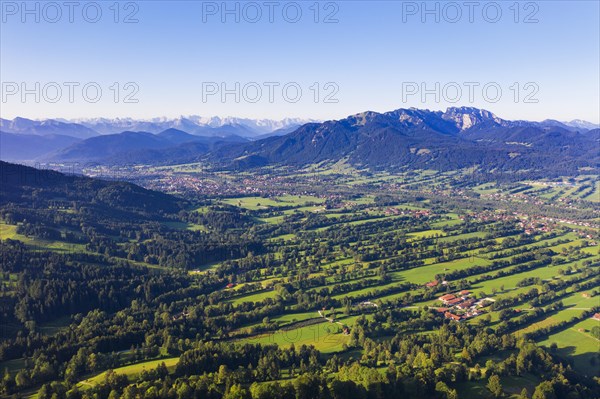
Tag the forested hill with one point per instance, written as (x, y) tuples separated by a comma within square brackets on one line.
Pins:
[(36, 188), (115, 219), (422, 139)]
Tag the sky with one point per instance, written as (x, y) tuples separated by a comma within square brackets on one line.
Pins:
[(275, 59)]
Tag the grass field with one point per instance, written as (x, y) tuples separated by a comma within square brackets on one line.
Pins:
[(505, 286), (512, 387), (184, 226), (252, 203), (132, 371), (427, 234), (252, 297), (423, 274), (255, 203), (8, 231), (299, 328), (576, 343), (325, 336), (319, 250)]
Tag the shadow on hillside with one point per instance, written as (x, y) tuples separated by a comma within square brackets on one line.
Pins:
[(586, 363)]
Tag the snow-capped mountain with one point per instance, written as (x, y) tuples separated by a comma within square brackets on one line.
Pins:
[(581, 124), (454, 138), (194, 124), (46, 127)]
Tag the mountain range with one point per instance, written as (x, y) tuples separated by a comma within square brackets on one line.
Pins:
[(140, 148), (24, 139), (414, 138), (456, 138), (46, 127)]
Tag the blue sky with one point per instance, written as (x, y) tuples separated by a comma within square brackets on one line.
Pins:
[(379, 55)]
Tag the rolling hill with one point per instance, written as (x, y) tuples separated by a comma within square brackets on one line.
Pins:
[(28, 147), (139, 147), (22, 183)]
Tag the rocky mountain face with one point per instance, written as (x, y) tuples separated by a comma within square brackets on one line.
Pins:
[(414, 138)]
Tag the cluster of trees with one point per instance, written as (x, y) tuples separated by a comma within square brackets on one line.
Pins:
[(416, 366), (117, 313)]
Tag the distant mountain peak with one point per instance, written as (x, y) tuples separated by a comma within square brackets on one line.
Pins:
[(467, 117), (414, 138), (45, 127), (458, 136), (578, 123), (197, 125), (363, 118)]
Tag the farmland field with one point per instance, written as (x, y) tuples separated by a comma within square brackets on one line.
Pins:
[(131, 371), (300, 199), (353, 271)]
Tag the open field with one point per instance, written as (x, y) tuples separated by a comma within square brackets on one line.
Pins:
[(357, 250), (254, 203), (325, 336), (576, 343), (131, 371)]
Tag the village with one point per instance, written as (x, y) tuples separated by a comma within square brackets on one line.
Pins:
[(462, 305)]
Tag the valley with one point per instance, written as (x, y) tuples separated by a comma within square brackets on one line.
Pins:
[(300, 200), (329, 258)]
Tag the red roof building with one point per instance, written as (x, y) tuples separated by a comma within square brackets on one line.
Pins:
[(454, 301), (452, 316), (447, 297), (467, 304)]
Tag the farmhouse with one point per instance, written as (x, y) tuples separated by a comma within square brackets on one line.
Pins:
[(431, 284), (452, 316), (466, 304), (472, 313), (453, 302), (485, 302), (596, 316), (447, 297)]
